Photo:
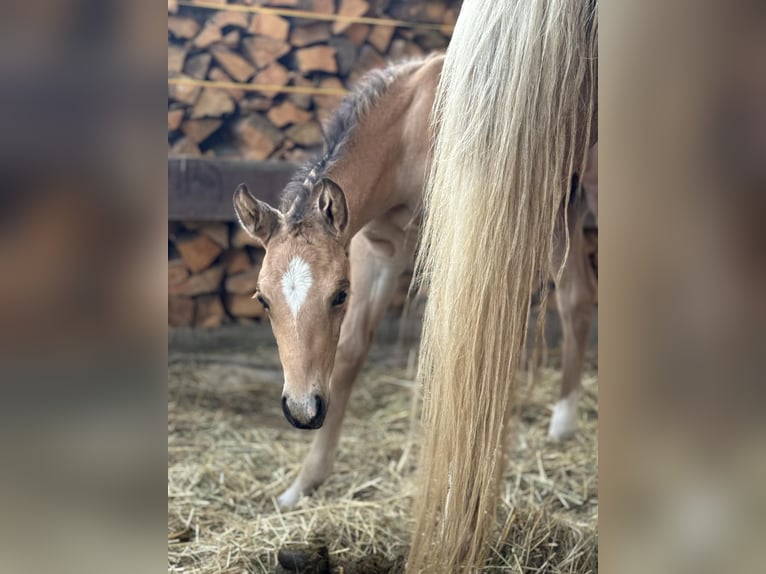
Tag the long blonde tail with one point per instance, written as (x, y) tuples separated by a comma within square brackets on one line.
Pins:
[(513, 116)]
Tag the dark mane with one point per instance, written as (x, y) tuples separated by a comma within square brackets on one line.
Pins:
[(299, 190)]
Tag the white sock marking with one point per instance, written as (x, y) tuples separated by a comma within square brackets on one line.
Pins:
[(290, 496), (296, 283), (564, 419)]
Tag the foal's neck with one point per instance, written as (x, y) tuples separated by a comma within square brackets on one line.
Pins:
[(369, 166)]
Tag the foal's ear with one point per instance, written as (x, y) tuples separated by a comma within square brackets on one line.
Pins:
[(331, 204), (259, 219)]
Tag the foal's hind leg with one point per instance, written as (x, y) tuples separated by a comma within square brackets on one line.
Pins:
[(373, 283), (575, 297)]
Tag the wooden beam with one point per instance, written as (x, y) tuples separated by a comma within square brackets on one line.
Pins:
[(200, 189)]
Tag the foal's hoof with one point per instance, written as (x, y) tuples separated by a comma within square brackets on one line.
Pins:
[(289, 497), (559, 434), (564, 420)]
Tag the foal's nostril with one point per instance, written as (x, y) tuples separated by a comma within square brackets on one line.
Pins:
[(321, 408)]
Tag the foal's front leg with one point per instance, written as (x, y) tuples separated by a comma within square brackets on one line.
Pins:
[(373, 282)]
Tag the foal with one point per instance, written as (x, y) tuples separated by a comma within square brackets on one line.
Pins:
[(345, 231)]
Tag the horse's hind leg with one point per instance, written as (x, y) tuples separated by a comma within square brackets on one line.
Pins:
[(575, 297), (373, 283)]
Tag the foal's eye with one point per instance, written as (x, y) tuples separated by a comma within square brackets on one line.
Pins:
[(262, 301), (340, 298)]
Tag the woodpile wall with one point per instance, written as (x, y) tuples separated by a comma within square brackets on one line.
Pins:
[(278, 50), (213, 266)]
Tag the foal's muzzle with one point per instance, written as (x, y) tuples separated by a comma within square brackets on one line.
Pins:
[(314, 422)]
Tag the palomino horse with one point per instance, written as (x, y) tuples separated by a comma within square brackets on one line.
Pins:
[(345, 231), (516, 115)]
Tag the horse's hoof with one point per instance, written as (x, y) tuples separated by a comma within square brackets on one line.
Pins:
[(289, 497), (564, 419), (560, 434)]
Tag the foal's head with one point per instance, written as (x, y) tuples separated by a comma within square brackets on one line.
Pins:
[(304, 286)]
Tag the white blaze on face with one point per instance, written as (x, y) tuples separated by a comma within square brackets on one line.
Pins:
[(296, 283)]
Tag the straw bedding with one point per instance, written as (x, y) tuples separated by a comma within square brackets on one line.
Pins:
[(230, 453)]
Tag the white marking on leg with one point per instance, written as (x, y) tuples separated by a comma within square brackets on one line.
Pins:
[(290, 496), (564, 419), (296, 283)]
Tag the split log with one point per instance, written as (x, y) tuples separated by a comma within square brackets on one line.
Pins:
[(231, 39), (302, 36), (213, 103), (255, 103), (226, 18), (380, 38), (207, 281), (182, 27), (218, 232), (234, 64), (288, 113), (301, 100), (176, 57), (236, 261), (198, 251), (263, 50), (307, 134), (243, 283), (257, 136), (270, 25), (199, 130), (358, 33), (316, 59), (184, 93), (198, 66), (218, 75), (321, 6), (184, 146), (273, 74), (209, 35), (349, 8), (177, 273)]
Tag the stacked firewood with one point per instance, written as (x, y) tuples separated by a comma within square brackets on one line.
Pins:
[(213, 272), (253, 48)]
